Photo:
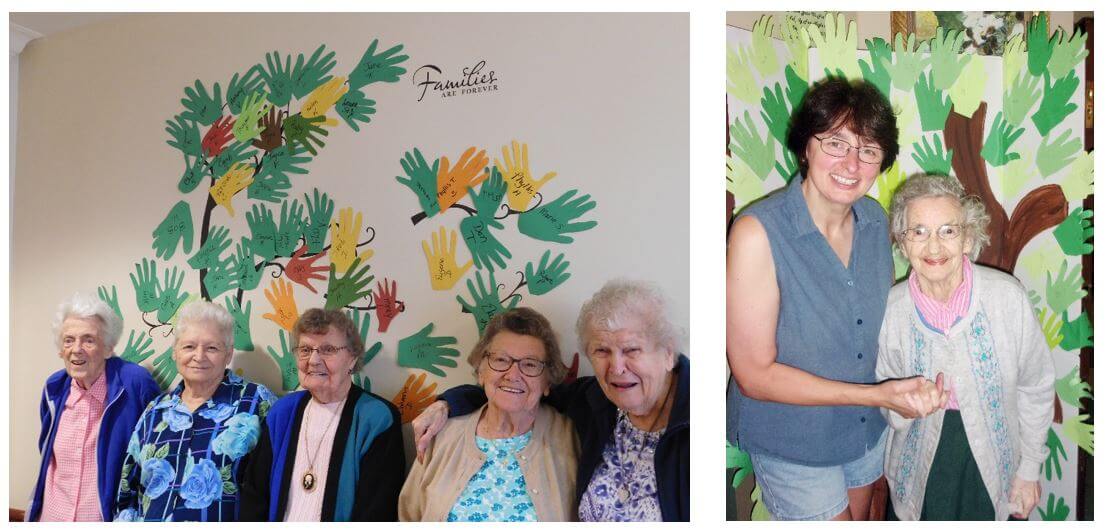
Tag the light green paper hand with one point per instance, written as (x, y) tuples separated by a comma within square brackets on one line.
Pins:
[(306, 76), (1071, 389), (202, 107), (774, 110), (1014, 176), (968, 90), (764, 53), (886, 184), (1000, 138), (263, 231), (170, 296), (1055, 103), (554, 221), (139, 347), (946, 59), (241, 315), (247, 125), (350, 287), (425, 352), (112, 300), (383, 67), (838, 47), (1077, 430), (1039, 46), (739, 75), (1054, 156), (185, 136), (1056, 510), (486, 301), (746, 142), (933, 159), (1051, 327), (1064, 289), (1076, 334), (546, 276), (353, 107), (1052, 464), (1079, 182), (247, 274), (286, 361), (933, 104), (1067, 53), (910, 62), (1074, 232), (209, 252), (742, 182), (1038, 261), (1014, 58), (876, 72), (145, 282), (906, 110), (175, 228), (320, 209), (239, 88), (1019, 97), (738, 459), (798, 42)]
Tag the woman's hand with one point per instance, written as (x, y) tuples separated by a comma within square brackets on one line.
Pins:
[(1024, 497), (915, 397), (427, 425)]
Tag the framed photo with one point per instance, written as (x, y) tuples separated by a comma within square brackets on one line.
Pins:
[(986, 32)]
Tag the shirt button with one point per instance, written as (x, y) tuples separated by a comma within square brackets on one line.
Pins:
[(850, 283), (859, 355), (859, 322), (862, 420)]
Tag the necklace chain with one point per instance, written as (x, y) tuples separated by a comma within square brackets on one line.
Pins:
[(308, 480)]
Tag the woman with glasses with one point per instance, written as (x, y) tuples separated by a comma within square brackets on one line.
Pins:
[(974, 328), (330, 452), (513, 459), (808, 273)]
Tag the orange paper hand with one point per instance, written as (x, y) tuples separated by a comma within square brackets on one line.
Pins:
[(284, 304), (467, 172), (413, 397), (520, 186)]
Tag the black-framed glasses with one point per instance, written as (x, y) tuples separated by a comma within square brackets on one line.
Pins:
[(839, 148), (502, 363), (325, 350), (921, 233)]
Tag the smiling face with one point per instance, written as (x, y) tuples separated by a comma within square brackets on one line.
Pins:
[(201, 355), (937, 261), (83, 350), (513, 391), (840, 180), (326, 377), (632, 369)]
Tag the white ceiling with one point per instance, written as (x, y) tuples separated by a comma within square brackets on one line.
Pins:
[(51, 23)]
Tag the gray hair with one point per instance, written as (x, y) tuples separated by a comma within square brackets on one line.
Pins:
[(203, 312), (619, 299), (919, 186), (83, 305)]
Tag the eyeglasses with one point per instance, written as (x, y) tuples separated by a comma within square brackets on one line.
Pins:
[(921, 233), (839, 148), (502, 363), (325, 351)]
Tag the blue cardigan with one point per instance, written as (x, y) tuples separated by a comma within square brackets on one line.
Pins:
[(130, 388)]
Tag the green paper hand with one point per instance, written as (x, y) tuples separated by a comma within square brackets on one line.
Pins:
[(165, 369), (286, 361), (946, 59), (1074, 232), (764, 53), (145, 282), (774, 110), (353, 107), (746, 142), (1052, 462), (1000, 138), (241, 315), (193, 175), (1067, 53), (739, 75), (307, 76), (304, 131), (1051, 327), (798, 42), (1014, 58), (968, 90), (790, 167), (350, 287), (112, 300), (247, 275), (486, 301), (1071, 389), (425, 352), (422, 180), (1077, 430), (170, 296), (796, 87), (263, 231), (1081, 178), (1039, 46), (268, 187), (1055, 103), (362, 381), (933, 104), (201, 107), (239, 88), (742, 183), (247, 125), (208, 255), (220, 278), (362, 325), (739, 460), (1054, 156), (552, 222), (1077, 333), (886, 184), (139, 348), (1064, 289), (1054, 512), (1019, 97), (492, 192), (838, 48), (230, 157), (877, 72), (283, 161), (288, 234), (278, 79), (933, 159), (320, 209), (910, 62), (545, 277), (483, 246), (185, 136), (176, 227), (378, 67)]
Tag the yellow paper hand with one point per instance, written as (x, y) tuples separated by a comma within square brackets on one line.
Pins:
[(468, 172), (233, 181), (324, 97), (413, 398), (344, 232), (283, 301), (520, 186), (442, 260)]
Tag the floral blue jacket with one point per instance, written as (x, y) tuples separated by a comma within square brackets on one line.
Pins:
[(183, 465)]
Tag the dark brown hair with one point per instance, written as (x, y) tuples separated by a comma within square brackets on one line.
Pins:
[(836, 102)]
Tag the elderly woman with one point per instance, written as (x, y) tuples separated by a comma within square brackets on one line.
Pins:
[(184, 457), (974, 327), (513, 459), (330, 452), (808, 273), (88, 412), (632, 417)]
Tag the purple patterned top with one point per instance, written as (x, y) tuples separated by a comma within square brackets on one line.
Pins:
[(624, 486)]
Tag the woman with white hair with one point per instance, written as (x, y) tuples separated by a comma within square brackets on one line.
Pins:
[(631, 417), (88, 410), (184, 457)]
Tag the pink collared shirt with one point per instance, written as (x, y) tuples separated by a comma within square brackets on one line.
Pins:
[(71, 492), (942, 316)]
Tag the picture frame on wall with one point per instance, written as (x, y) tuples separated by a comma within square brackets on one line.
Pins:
[(986, 32)]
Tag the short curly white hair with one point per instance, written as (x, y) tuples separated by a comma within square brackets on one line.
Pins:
[(975, 224), (84, 305), (205, 312), (621, 298)]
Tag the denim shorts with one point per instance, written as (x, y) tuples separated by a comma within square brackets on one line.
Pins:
[(795, 492)]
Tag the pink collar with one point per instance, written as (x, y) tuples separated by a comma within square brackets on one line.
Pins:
[(939, 315)]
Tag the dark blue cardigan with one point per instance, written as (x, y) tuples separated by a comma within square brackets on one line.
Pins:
[(130, 389)]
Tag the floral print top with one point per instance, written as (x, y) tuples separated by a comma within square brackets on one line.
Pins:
[(624, 486), (183, 465), (498, 491)]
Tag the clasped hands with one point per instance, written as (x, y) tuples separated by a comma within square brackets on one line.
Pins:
[(916, 397)]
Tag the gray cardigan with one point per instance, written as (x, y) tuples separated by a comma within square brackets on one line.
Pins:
[(1002, 370)]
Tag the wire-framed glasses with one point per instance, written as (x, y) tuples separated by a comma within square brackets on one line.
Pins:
[(326, 351), (839, 148), (921, 233), (502, 363)]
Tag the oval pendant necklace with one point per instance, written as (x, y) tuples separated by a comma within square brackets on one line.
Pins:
[(308, 478)]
